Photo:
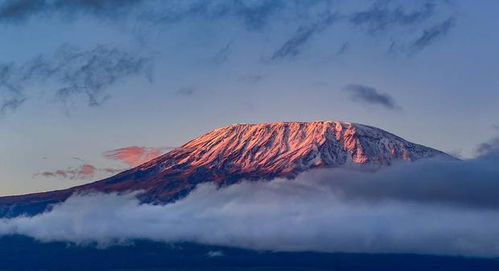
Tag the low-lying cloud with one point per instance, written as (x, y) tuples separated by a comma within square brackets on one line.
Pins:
[(489, 148), (428, 207)]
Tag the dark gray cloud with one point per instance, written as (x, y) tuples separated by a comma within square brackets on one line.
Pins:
[(73, 71), (10, 92), (11, 104), (433, 33), (16, 11), (429, 207), (257, 15), (82, 172), (381, 15), (254, 15), (186, 91), (293, 46), (343, 49), (488, 149), (252, 78), (223, 54), (456, 183), (370, 95)]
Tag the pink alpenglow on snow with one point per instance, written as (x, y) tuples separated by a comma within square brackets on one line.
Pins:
[(242, 152)]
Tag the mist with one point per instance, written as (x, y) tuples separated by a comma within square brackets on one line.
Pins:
[(428, 207)]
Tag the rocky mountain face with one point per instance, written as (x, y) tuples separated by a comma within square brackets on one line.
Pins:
[(242, 151)]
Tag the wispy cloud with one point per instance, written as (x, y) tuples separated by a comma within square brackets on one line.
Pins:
[(343, 49), (433, 33), (135, 155), (254, 15), (16, 11), (74, 71), (257, 13), (375, 17), (11, 104), (370, 95), (381, 16), (396, 17), (252, 78), (83, 172), (186, 91), (293, 46), (131, 156), (223, 54)]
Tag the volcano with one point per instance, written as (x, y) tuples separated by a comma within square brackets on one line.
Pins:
[(242, 152)]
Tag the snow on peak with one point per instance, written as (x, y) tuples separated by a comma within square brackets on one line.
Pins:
[(288, 148)]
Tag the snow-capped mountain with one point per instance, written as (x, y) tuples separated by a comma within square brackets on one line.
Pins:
[(243, 151)]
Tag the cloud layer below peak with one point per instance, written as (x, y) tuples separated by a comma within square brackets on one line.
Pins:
[(428, 207)]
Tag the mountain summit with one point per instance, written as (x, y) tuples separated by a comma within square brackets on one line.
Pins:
[(242, 151), (287, 148)]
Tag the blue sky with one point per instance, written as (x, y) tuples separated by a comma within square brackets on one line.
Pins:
[(79, 79)]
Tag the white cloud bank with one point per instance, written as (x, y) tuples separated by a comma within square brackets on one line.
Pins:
[(433, 207)]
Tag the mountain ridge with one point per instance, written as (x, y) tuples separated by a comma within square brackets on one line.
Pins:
[(236, 152)]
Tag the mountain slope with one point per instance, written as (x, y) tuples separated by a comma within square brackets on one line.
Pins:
[(243, 151)]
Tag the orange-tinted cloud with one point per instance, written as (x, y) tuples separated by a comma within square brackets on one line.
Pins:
[(134, 155)]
